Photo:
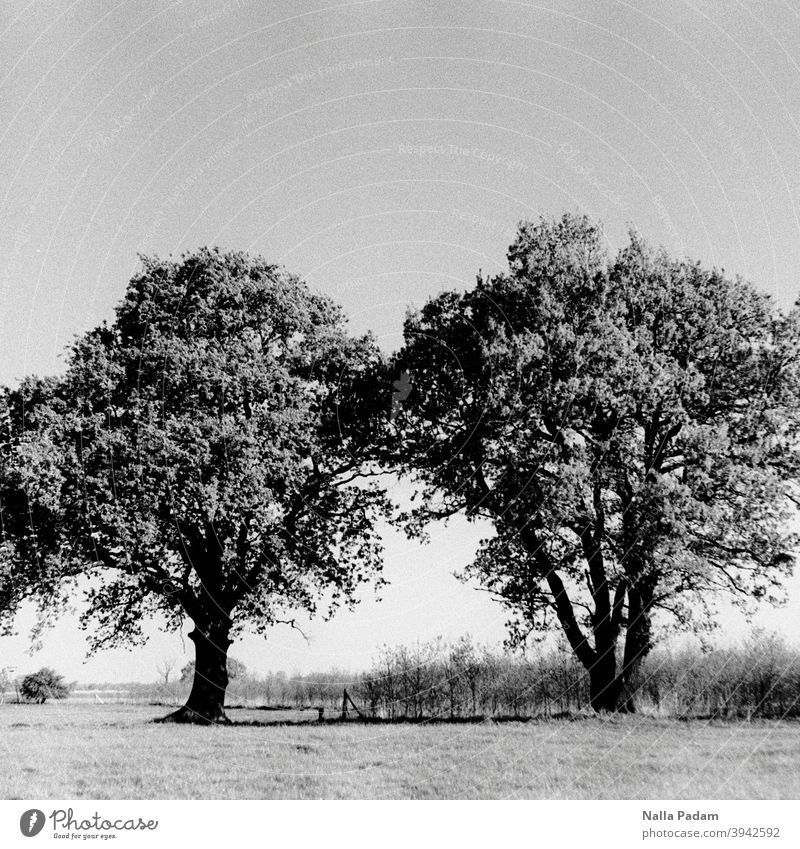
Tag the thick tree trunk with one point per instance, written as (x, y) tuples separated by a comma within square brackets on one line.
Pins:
[(637, 646), (206, 702), (603, 691), (600, 662), (604, 683)]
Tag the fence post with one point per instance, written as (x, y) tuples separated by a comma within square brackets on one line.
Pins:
[(345, 699)]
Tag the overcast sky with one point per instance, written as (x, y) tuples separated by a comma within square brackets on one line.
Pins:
[(384, 150)]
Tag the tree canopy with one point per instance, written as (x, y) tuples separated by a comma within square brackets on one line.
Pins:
[(206, 454), (43, 685), (31, 568), (628, 426)]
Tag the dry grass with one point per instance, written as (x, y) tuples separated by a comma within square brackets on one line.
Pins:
[(68, 751)]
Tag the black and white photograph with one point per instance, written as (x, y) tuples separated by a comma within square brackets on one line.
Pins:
[(400, 401)]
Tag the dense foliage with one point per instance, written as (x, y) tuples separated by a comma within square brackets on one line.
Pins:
[(628, 426), (43, 685), (206, 455)]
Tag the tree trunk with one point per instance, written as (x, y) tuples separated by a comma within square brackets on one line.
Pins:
[(206, 702), (637, 646), (604, 684)]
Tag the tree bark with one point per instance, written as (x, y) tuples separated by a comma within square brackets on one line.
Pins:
[(637, 645), (206, 702), (603, 683), (604, 686)]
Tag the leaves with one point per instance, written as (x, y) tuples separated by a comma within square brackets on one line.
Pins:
[(42, 685), (630, 425), (205, 453)]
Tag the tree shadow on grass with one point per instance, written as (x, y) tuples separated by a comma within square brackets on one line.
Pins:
[(329, 721)]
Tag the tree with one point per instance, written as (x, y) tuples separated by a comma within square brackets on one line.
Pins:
[(207, 455), (235, 668), (629, 428), (164, 669), (5, 681), (42, 685)]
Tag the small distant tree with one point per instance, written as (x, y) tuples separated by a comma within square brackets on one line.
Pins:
[(466, 664), (164, 669), (42, 685), (5, 682)]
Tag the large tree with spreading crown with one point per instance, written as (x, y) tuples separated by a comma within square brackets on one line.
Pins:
[(628, 426), (207, 454)]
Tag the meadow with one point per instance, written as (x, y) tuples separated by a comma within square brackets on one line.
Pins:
[(71, 750)]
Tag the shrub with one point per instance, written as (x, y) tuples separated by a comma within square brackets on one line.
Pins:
[(42, 685)]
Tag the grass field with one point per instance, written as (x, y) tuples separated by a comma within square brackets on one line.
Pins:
[(70, 751)]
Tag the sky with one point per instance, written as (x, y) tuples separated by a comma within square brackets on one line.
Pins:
[(384, 150)]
